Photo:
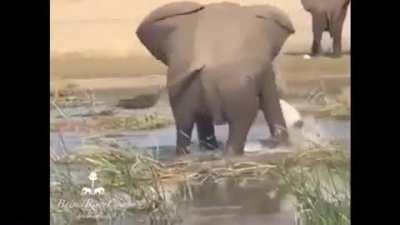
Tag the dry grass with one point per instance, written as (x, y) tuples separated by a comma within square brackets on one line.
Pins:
[(111, 124), (132, 182), (155, 186)]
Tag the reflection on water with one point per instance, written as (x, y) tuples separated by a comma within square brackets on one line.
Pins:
[(236, 202), (231, 202), (241, 196)]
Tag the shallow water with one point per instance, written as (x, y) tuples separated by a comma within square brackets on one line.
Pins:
[(162, 141), (164, 138), (231, 202)]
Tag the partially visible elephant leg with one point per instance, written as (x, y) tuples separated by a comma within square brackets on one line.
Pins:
[(319, 25), (273, 113), (184, 128), (184, 122), (337, 30), (240, 105), (205, 132), (238, 130)]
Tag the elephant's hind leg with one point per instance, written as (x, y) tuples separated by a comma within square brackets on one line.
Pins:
[(184, 128), (205, 132), (184, 122), (319, 23), (240, 105), (336, 31), (272, 112), (238, 130)]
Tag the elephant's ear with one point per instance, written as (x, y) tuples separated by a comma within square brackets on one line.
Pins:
[(269, 12), (154, 29)]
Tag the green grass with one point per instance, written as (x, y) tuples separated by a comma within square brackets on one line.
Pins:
[(322, 195), (320, 182)]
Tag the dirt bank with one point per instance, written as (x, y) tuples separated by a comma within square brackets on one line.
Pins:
[(107, 27), (301, 75)]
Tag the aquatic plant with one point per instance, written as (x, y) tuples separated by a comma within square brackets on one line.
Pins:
[(322, 195), (146, 122), (320, 182), (337, 108)]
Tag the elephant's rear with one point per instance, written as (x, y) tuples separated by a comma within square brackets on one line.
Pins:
[(231, 89), (236, 44)]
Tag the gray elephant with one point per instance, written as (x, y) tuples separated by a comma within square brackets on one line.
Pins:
[(327, 15), (219, 59)]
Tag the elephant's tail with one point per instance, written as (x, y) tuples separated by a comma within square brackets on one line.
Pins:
[(210, 90), (183, 81)]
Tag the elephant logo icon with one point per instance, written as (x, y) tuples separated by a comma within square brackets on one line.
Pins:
[(86, 191), (91, 191), (99, 191)]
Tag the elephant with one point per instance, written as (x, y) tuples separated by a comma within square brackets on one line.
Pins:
[(219, 58), (99, 191), (327, 15)]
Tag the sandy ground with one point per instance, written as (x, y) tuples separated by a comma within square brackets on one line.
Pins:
[(114, 83), (107, 27), (295, 70)]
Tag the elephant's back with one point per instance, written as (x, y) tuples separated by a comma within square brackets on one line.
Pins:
[(227, 33)]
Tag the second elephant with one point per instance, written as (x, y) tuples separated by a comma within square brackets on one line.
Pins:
[(219, 59), (327, 15)]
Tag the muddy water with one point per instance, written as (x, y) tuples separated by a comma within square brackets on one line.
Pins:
[(162, 141), (231, 202)]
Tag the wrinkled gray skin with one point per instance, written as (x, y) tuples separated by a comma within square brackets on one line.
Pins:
[(219, 59), (327, 15)]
